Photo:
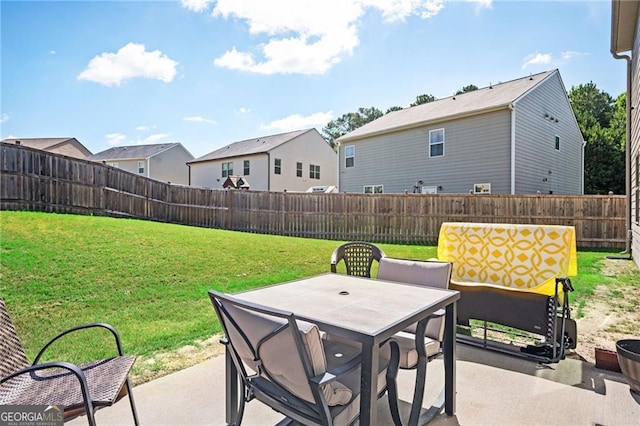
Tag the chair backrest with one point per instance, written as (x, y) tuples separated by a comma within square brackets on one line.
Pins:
[(12, 356), (358, 258), (277, 347), (431, 273)]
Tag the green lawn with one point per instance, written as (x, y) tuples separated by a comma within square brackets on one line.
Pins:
[(150, 280)]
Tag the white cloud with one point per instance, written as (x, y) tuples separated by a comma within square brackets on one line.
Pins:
[(129, 62), (243, 110), (197, 6), (536, 59), (4, 118), (52, 52), (571, 54), (200, 119), (482, 4), (115, 138), (145, 128), (152, 139), (298, 122), (307, 36)]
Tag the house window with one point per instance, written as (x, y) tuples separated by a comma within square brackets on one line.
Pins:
[(113, 165), (299, 169), (277, 166), (373, 189), (558, 143), (436, 143), (246, 168), (430, 189), (349, 155), (141, 167), (482, 188), (227, 169), (314, 171)]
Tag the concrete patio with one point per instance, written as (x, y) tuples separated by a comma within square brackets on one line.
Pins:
[(492, 389)]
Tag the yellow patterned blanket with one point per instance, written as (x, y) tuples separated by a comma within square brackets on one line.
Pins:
[(519, 257)]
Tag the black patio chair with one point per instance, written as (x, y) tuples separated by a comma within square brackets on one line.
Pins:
[(357, 256), (78, 389), (284, 363)]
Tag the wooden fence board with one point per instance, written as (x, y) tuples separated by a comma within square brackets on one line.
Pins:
[(36, 180)]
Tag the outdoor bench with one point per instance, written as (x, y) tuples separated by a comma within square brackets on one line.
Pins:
[(516, 276)]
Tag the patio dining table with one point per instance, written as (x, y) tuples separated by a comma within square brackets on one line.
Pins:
[(364, 310)]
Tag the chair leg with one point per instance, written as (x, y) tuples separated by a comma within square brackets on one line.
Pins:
[(243, 400), (421, 378), (392, 384), (133, 404)]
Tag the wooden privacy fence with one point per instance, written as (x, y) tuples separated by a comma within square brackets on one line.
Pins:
[(40, 181)]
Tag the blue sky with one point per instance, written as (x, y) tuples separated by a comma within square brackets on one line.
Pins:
[(208, 73)]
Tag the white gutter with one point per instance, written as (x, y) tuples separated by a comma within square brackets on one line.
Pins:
[(584, 144), (627, 150), (513, 148)]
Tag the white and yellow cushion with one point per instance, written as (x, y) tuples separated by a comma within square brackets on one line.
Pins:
[(520, 257)]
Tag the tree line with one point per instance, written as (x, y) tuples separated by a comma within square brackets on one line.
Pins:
[(601, 118)]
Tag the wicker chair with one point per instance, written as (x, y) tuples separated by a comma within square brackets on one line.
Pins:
[(77, 389), (358, 258)]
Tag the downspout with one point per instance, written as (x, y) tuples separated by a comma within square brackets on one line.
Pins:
[(627, 152), (513, 148), (584, 144), (268, 171)]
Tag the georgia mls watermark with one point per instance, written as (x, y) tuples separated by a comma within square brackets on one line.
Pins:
[(31, 415)]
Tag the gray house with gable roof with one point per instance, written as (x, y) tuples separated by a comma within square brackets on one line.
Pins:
[(292, 161), (516, 137), (166, 162)]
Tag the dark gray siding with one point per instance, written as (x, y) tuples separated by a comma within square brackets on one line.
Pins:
[(539, 166), (476, 150)]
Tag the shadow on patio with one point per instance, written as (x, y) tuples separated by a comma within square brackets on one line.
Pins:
[(492, 389)]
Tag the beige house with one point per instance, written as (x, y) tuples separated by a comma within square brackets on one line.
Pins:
[(292, 161), (625, 44), (70, 147), (166, 162)]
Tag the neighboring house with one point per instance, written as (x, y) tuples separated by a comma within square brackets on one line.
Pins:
[(517, 137), (70, 147), (625, 44), (291, 161), (166, 162)]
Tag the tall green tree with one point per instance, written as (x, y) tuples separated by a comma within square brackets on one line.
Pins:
[(349, 122), (603, 124), (423, 99), (591, 105), (466, 89)]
